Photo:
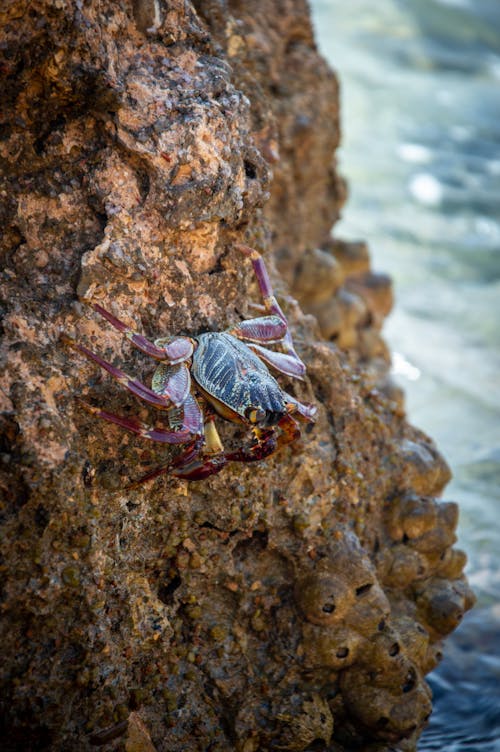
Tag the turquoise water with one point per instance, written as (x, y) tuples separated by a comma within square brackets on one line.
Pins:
[(420, 82)]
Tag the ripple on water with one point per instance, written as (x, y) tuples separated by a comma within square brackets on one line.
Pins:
[(471, 721)]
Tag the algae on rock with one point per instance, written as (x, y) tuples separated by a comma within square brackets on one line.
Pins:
[(292, 603)]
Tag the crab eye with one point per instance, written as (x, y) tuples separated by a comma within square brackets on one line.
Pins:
[(255, 414)]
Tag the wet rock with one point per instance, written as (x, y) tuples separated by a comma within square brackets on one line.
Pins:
[(296, 602), (353, 257), (376, 290), (442, 603), (302, 721), (335, 647), (317, 277), (427, 472), (335, 284), (451, 563), (138, 738), (401, 565), (411, 517), (343, 589), (388, 697)]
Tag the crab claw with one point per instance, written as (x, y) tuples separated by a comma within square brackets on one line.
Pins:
[(266, 445), (200, 469)]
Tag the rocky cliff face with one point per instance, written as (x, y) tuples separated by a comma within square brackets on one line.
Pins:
[(293, 604)]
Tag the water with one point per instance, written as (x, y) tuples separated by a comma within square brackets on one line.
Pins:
[(420, 83)]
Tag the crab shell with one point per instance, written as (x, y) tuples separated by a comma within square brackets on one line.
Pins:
[(236, 382)]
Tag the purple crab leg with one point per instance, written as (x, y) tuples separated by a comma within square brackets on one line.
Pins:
[(270, 302), (193, 417), (174, 381), (193, 464), (199, 469), (174, 350), (133, 385), (149, 476), (178, 349), (189, 465), (270, 329), (266, 289), (212, 459), (284, 363), (304, 411), (141, 429), (189, 455), (137, 339)]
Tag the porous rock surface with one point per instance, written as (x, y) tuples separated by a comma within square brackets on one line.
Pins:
[(292, 604)]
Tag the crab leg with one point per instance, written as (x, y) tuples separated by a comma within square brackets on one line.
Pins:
[(193, 464), (172, 381), (174, 352), (290, 431), (303, 411), (192, 417), (133, 385), (266, 445), (267, 442), (270, 302), (284, 363), (189, 465), (211, 461), (140, 428), (268, 329), (137, 339), (266, 289), (190, 454)]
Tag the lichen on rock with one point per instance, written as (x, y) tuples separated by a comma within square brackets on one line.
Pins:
[(293, 604)]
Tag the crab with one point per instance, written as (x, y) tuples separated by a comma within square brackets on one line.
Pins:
[(215, 373)]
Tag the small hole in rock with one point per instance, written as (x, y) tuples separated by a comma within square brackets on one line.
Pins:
[(42, 517), (166, 592), (250, 170), (363, 589), (411, 680), (382, 721), (394, 649), (329, 608), (342, 652), (318, 745)]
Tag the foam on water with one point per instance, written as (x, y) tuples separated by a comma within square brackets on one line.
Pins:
[(426, 189)]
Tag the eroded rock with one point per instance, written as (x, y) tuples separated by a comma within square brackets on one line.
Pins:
[(293, 603)]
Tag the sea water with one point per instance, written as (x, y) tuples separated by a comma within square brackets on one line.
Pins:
[(420, 91)]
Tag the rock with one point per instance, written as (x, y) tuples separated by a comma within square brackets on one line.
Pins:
[(138, 738), (293, 602)]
